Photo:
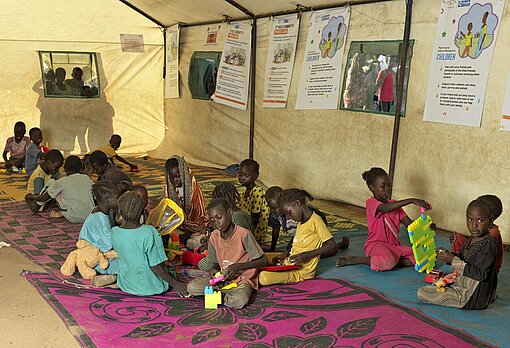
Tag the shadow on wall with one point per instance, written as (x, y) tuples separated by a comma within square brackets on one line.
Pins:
[(63, 121)]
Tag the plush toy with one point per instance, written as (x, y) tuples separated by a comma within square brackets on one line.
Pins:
[(443, 282), (85, 258)]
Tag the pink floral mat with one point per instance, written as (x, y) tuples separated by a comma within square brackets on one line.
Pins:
[(314, 313)]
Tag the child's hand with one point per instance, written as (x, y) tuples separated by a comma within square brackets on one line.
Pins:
[(180, 288), (300, 258), (277, 260), (421, 203), (445, 255), (231, 271), (29, 196)]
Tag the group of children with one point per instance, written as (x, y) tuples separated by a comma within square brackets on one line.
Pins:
[(227, 236)]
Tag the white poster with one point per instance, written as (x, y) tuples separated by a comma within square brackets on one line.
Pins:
[(280, 60), (505, 117), (172, 62), (132, 43), (461, 59), (211, 38), (234, 70), (319, 84)]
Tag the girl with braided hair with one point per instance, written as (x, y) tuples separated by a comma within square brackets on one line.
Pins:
[(97, 228), (477, 279), (383, 250), (459, 240), (183, 189), (142, 269), (228, 192)]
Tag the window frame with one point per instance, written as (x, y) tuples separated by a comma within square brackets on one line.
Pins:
[(93, 63)]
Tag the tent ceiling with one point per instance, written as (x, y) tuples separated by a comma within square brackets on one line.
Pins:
[(169, 12)]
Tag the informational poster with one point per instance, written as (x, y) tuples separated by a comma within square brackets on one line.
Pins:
[(319, 84), (211, 37), (280, 60), (234, 70), (132, 43), (172, 62), (505, 117), (461, 59)]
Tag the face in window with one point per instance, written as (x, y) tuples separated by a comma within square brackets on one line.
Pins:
[(77, 74)]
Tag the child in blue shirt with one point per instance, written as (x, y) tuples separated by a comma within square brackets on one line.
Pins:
[(141, 255), (97, 228)]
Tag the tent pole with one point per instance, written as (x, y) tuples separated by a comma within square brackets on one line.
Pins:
[(145, 14), (400, 88), (252, 71)]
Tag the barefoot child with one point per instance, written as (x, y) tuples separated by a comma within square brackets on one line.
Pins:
[(234, 251), (312, 240), (40, 178), (73, 193), (16, 147), (141, 255), (475, 286), (111, 148), (253, 199), (382, 248)]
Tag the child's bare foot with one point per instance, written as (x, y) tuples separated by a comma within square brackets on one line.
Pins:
[(103, 280), (345, 261), (32, 205), (55, 214)]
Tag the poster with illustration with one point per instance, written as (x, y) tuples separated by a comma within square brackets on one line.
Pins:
[(234, 70), (319, 84), (461, 59), (280, 60), (172, 62), (211, 37)]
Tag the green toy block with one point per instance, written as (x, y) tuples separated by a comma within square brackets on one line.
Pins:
[(423, 244)]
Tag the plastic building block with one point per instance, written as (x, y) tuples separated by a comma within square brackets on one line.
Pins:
[(229, 286), (218, 278), (423, 244), (212, 298)]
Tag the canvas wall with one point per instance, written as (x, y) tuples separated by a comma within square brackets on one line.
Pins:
[(325, 151), (131, 102)]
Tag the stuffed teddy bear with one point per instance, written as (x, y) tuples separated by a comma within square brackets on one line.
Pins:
[(85, 258), (443, 282)]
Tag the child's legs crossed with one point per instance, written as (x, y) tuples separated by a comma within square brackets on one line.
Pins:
[(382, 257), (196, 286), (268, 278), (237, 297)]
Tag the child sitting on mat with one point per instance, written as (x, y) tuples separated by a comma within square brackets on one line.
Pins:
[(382, 248), (253, 199), (16, 147), (477, 279), (73, 193), (105, 170), (460, 240), (40, 178), (97, 228), (141, 255), (110, 151), (34, 154), (234, 251), (312, 240)]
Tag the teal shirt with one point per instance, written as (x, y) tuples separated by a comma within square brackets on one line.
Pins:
[(138, 250)]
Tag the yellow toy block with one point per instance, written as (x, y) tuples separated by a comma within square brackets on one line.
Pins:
[(212, 298), (423, 244), (229, 286)]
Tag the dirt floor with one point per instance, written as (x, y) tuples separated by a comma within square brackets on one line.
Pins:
[(26, 320)]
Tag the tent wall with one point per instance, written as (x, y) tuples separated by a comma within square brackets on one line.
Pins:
[(131, 102), (325, 151)]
